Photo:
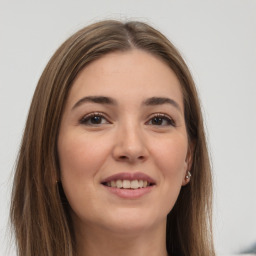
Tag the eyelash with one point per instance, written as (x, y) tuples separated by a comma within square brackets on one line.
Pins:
[(87, 118), (164, 117), (161, 116)]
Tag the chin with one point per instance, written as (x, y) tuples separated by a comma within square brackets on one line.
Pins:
[(134, 221)]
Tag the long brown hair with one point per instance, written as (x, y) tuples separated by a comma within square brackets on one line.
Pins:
[(39, 211)]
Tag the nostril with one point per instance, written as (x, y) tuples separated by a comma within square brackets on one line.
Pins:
[(127, 157)]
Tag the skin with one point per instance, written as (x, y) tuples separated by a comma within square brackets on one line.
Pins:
[(126, 139)]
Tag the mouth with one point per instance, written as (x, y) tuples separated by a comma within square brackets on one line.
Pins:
[(128, 184), (131, 181)]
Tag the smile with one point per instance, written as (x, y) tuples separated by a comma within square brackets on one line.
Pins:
[(128, 184)]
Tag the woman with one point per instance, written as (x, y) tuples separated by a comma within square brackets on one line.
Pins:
[(114, 159)]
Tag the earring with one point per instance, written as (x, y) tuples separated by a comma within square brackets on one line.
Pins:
[(188, 175)]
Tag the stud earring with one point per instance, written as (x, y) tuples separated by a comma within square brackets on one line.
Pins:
[(188, 175)]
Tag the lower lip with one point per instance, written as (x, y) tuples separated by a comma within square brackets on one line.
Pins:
[(129, 193)]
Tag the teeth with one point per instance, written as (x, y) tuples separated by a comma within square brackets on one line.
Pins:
[(140, 183), (119, 184), (134, 184), (128, 184)]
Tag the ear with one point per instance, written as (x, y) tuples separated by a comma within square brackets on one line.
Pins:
[(188, 161)]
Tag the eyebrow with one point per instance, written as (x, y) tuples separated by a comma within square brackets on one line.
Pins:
[(96, 99), (160, 101), (153, 101)]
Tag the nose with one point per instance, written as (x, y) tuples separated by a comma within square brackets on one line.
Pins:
[(130, 145)]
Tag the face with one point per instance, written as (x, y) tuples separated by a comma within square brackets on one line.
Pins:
[(122, 145)]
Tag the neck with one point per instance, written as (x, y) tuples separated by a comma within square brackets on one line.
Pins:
[(94, 241)]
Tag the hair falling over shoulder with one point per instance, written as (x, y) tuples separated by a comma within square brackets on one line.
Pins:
[(39, 210)]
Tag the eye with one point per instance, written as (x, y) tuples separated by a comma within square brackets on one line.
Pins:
[(161, 120), (94, 119)]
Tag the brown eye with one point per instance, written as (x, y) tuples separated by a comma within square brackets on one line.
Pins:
[(94, 119), (161, 120), (157, 121)]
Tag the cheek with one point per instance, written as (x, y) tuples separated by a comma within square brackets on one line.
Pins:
[(80, 156), (80, 160), (170, 156), (170, 159)]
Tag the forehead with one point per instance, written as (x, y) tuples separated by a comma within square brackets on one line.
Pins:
[(126, 75)]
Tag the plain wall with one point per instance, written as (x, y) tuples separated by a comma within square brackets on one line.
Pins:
[(218, 41)]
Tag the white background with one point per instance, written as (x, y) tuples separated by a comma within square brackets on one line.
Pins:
[(217, 39)]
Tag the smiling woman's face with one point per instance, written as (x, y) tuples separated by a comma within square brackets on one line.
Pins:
[(122, 145)]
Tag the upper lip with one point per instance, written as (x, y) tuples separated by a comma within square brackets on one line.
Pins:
[(129, 176)]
